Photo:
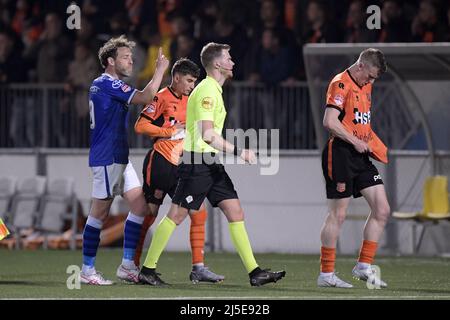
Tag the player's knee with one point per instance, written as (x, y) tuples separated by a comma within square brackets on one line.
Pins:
[(100, 214), (239, 215), (235, 215), (383, 213), (177, 215), (339, 215)]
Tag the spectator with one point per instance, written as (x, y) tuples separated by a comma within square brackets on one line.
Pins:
[(139, 59), (118, 25), (186, 48), (204, 20), (99, 11), (394, 25), (275, 63), (25, 22), (274, 67), (179, 25), (154, 40), (86, 34), (51, 51), (20, 126), (319, 28), (12, 66), (82, 71), (7, 9), (235, 36), (270, 18), (356, 28), (426, 26), (134, 10), (165, 8), (24, 12)]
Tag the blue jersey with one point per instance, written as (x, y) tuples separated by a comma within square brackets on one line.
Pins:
[(108, 107)]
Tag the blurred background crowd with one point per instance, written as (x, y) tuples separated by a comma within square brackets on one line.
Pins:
[(46, 68), (266, 36)]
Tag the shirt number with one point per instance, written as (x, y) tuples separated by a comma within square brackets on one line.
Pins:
[(92, 114)]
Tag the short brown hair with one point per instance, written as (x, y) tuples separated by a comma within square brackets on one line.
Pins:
[(109, 49), (375, 58), (186, 66), (210, 52)]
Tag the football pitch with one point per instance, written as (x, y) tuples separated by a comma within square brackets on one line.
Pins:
[(42, 274)]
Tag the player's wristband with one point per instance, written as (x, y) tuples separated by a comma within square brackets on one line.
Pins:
[(237, 151)]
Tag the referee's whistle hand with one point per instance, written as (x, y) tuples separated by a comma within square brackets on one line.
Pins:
[(248, 156)]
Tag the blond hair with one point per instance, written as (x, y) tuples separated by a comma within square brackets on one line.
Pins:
[(375, 58), (210, 52)]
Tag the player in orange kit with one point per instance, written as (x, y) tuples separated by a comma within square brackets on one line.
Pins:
[(347, 169), (164, 121)]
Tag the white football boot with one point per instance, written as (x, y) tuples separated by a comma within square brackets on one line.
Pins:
[(369, 275), (95, 278), (332, 281), (128, 274)]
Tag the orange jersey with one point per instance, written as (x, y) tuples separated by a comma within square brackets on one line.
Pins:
[(354, 103), (157, 119)]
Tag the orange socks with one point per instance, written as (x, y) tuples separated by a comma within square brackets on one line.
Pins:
[(197, 235), (327, 259), (328, 256), (367, 252), (148, 221)]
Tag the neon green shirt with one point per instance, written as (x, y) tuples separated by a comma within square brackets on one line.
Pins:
[(205, 103)]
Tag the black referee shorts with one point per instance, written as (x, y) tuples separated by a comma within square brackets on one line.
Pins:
[(198, 181), (342, 163), (160, 178)]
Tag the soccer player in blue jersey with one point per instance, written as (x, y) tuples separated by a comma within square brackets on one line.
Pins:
[(113, 173)]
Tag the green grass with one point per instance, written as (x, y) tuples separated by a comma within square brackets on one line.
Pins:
[(42, 274)]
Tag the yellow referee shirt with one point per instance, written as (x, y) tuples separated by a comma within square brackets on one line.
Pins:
[(205, 103)]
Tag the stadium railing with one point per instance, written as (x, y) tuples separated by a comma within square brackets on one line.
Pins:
[(45, 115)]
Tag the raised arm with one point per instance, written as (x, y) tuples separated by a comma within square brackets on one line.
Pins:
[(146, 96)]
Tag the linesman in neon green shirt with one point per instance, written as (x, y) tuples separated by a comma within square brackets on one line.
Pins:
[(202, 176)]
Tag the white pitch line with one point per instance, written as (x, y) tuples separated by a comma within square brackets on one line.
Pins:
[(242, 299)]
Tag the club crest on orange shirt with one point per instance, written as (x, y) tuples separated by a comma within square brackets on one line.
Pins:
[(150, 109), (338, 99)]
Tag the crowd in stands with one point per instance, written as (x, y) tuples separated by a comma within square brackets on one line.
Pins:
[(266, 36)]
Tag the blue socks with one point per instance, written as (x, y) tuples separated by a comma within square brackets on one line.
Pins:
[(132, 233), (91, 240)]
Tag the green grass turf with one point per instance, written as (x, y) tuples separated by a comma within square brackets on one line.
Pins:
[(42, 274)]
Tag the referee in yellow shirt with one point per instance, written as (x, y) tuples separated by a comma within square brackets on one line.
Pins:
[(201, 175)]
